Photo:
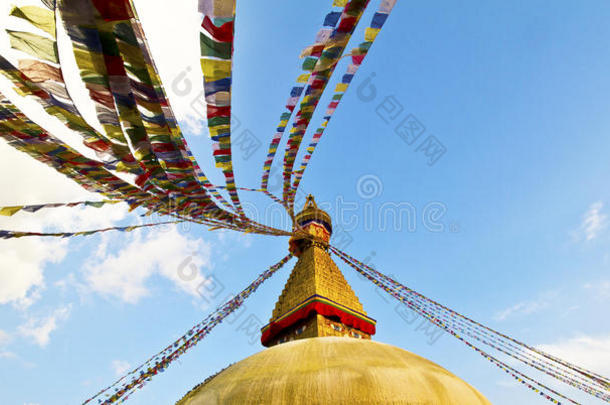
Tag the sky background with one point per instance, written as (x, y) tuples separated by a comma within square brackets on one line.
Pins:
[(510, 224)]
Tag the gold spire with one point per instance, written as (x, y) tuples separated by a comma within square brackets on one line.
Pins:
[(317, 300)]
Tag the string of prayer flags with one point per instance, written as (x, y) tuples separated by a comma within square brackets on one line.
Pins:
[(138, 377), (130, 89), (176, 134), (49, 90), (550, 361), (170, 119), (357, 54), (320, 75), (457, 324), (216, 48), (46, 86), (105, 50), (114, 69), (4, 234), (437, 323), (26, 136), (311, 55), (496, 342), (248, 226), (95, 66), (135, 106), (168, 114), (12, 210)]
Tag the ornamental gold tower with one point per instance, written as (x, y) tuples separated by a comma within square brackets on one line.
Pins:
[(319, 347)]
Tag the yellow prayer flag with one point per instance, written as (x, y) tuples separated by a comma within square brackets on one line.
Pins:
[(122, 167), (114, 132), (35, 45), (10, 211), (341, 87), (66, 116), (339, 3), (37, 16), (219, 129), (370, 33), (151, 106), (214, 69), (303, 78), (90, 64), (131, 54)]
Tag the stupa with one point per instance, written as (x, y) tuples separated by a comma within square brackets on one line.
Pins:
[(319, 347)]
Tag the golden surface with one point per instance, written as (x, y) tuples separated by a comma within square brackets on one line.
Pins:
[(334, 370), (315, 273), (311, 211)]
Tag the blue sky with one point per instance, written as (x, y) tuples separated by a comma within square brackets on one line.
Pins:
[(509, 226)]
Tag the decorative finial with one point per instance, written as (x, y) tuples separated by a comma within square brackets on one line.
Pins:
[(313, 226), (311, 202)]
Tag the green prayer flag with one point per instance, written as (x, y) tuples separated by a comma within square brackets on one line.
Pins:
[(212, 122), (309, 63), (209, 47), (96, 204)]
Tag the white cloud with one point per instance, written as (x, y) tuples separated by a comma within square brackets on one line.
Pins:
[(21, 271), (585, 351), (543, 301), (166, 253), (34, 182), (39, 329), (594, 222), (600, 289), (120, 367), (22, 261)]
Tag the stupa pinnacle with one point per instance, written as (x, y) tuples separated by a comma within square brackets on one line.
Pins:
[(317, 300)]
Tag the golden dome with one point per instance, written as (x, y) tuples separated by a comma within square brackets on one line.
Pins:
[(334, 370)]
